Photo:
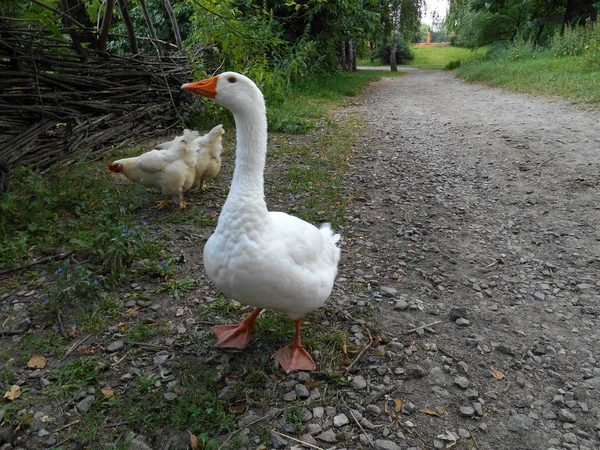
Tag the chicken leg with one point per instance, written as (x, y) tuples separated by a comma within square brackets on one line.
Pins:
[(182, 203), (236, 336), (293, 356), (162, 204)]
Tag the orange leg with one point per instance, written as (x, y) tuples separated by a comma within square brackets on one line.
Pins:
[(236, 336), (182, 203), (293, 356), (201, 187), (162, 204)]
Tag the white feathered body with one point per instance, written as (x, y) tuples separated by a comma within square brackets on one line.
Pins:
[(170, 171), (210, 147), (264, 259)]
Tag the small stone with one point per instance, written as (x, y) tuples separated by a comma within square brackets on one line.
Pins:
[(340, 420), (358, 382), (327, 436), (115, 346), (507, 350), (301, 391), (314, 428), (277, 441), (467, 411), (415, 371), (289, 397), (567, 416), (387, 291), (396, 346), (367, 424), (471, 394), (309, 439), (518, 422), (457, 313), (569, 438), (463, 382), (384, 444), (373, 410), (461, 321), (401, 305), (86, 404), (464, 434), (169, 396), (548, 414), (318, 412)]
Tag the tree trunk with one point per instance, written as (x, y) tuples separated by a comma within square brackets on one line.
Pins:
[(148, 20), (354, 50), (536, 41), (106, 23), (173, 19), (393, 62), (68, 22), (344, 57), (394, 47), (133, 46)]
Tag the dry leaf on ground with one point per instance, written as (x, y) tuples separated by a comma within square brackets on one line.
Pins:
[(496, 374), (429, 412), (37, 362), (13, 393)]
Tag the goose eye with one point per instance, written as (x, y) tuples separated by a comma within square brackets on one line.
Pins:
[(232, 79)]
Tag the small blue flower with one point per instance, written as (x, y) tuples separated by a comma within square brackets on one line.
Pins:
[(72, 302), (166, 265), (144, 223), (59, 270), (93, 306), (46, 301), (78, 267), (177, 268), (132, 231), (96, 283)]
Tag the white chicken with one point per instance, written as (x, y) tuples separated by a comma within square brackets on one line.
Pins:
[(172, 171), (209, 155), (210, 147)]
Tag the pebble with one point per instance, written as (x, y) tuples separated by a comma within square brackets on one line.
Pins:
[(340, 420), (86, 404), (461, 321), (384, 444), (463, 382), (373, 410), (318, 412), (415, 371), (327, 436), (567, 416), (313, 428), (301, 391), (169, 396), (289, 396), (115, 346), (518, 422), (358, 382), (401, 305), (467, 411)]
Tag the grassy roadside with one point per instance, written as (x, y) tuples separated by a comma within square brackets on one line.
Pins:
[(438, 57), (109, 261), (541, 73)]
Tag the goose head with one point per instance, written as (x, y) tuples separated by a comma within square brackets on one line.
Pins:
[(232, 90)]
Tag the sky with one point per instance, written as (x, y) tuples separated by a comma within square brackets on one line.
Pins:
[(441, 6)]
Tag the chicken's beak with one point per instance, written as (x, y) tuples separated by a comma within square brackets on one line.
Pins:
[(205, 88)]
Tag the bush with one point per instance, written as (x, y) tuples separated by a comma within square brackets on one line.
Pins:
[(403, 53), (454, 64)]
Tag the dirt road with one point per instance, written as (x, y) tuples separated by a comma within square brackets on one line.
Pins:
[(485, 204)]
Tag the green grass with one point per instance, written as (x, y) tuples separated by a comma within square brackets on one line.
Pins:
[(541, 73), (116, 240), (311, 100), (438, 57)]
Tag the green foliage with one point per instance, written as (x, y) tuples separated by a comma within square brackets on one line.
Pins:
[(438, 57), (569, 68), (403, 53)]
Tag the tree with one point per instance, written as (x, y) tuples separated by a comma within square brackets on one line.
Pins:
[(129, 25), (173, 19), (106, 23), (397, 15)]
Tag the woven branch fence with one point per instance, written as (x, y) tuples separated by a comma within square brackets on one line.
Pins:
[(55, 104)]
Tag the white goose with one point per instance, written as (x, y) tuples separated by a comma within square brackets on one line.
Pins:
[(269, 260)]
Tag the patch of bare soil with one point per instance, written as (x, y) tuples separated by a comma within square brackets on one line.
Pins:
[(471, 249)]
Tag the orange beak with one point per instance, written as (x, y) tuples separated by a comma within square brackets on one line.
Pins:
[(206, 88)]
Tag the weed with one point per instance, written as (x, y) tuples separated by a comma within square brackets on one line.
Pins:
[(75, 376), (176, 287)]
